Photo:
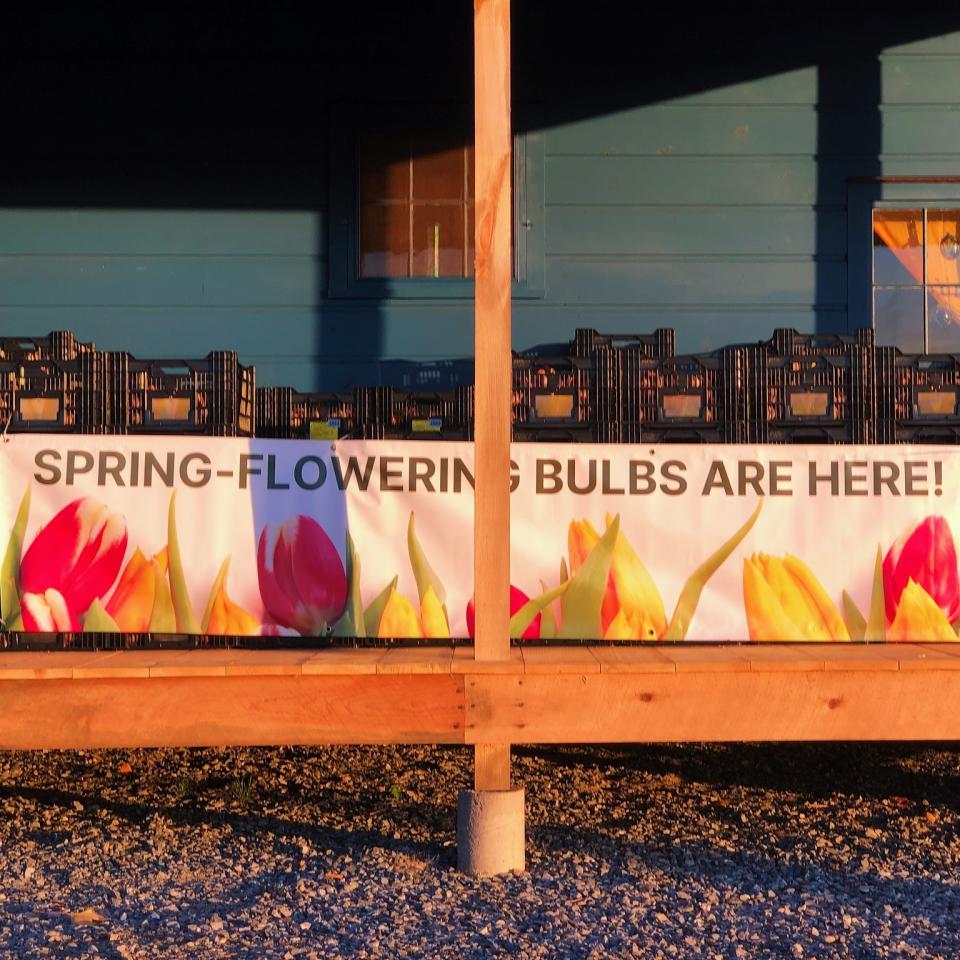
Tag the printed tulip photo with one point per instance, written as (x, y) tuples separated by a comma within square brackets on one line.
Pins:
[(82, 566)]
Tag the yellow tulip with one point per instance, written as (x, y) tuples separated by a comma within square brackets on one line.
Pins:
[(632, 608), (131, 604), (919, 617), (785, 601), (401, 619)]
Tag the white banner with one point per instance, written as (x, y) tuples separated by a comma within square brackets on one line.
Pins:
[(189, 535)]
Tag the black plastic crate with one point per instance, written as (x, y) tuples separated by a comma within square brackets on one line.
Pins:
[(286, 414), (919, 397), (818, 398), (56, 345), (60, 641), (211, 396), (790, 343), (694, 398), (176, 641), (427, 374), (555, 392), (538, 433), (391, 413), (660, 343), (53, 396)]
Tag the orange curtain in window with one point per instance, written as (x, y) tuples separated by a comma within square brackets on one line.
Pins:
[(901, 232)]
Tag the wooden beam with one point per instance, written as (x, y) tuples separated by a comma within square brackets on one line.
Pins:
[(198, 711), (917, 702), (493, 358)]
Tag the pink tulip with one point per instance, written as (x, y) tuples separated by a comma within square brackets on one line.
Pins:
[(302, 580), (926, 555), (518, 599), (77, 554), (47, 613)]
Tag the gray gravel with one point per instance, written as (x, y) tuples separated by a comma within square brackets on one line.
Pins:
[(669, 851)]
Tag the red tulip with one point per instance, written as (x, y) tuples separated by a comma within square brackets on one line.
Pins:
[(302, 581), (47, 613), (517, 600), (926, 555), (77, 554)]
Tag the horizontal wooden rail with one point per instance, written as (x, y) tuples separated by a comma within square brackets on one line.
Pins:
[(536, 695)]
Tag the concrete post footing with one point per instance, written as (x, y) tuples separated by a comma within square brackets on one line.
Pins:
[(491, 831)]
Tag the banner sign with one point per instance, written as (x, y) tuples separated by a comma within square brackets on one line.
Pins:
[(285, 537)]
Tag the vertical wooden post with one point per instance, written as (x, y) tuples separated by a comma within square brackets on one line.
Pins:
[(492, 351)]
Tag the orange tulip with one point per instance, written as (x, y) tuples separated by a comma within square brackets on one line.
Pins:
[(632, 607), (131, 604), (223, 617)]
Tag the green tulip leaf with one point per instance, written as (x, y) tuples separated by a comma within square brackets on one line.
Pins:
[(548, 622), (163, 617), (97, 620), (583, 594), (528, 612), (214, 590), (186, 618), (876, 628), (16, 623), (424, 574), (373, 613), (690, 594), (854, 619), (352, 623), (9, 589), (564, 573), (10, 568)]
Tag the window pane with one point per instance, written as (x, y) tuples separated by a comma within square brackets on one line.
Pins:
[(438, 240), (384, 240), (898, 318), (943, 246), (384, 169), (438, 174), (897, 246), (943, 319)]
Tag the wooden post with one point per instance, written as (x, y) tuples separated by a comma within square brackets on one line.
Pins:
[(492, 349)]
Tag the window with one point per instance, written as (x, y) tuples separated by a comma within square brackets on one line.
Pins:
[(415, 208), (903, 274), (401, 206), (916, 278)]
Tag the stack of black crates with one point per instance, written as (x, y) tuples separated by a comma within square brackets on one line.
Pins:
[(918, 398), (58, 384), (816, 388)]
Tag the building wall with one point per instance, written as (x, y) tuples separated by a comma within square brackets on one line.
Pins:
[(168, 208)]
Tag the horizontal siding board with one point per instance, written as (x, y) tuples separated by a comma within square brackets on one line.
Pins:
[(706, 181), (763, 131), (681, 281), (946, 43), (694, 130), (599, 230), (792, 87), (161, 281), (701, 181), (920, 79), (59, 232)]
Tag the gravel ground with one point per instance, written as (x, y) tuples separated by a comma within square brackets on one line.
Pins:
[(668, 851)]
